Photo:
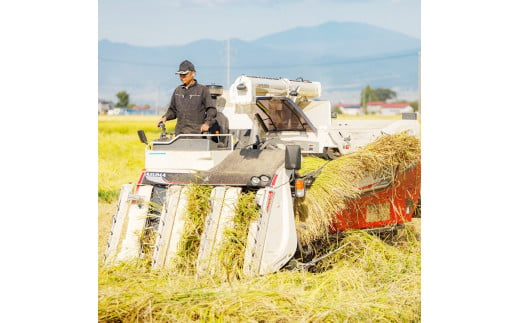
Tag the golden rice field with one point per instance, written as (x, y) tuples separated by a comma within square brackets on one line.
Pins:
[(368, 281)]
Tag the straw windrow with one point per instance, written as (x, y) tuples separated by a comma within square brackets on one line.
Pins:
[(370, 281)]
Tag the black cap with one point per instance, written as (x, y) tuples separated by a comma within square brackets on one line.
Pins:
[(185, 67)]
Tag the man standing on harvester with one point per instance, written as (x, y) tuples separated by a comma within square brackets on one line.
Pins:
[(191, 104)]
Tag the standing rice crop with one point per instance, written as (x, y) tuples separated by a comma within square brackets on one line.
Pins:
[(197, 208), (231, 254)]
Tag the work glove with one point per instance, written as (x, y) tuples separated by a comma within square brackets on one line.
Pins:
[(204, 127)]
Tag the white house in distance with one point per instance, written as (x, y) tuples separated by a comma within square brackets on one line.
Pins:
[(349, 109), (375, 107), (386, 109), (104, 106)]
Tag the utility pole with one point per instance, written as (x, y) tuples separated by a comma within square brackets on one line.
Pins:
[(419, 101), (157, 100), (365, 103), (228, 61)]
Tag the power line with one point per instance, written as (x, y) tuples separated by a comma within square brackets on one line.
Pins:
[(133, 62), (341, 62)]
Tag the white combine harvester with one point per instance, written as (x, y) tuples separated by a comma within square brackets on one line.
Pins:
[(265, 126)]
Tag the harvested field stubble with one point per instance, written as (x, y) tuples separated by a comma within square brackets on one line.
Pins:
[(369, 281)]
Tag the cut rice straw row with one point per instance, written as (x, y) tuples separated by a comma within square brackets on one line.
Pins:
[(338, 181)]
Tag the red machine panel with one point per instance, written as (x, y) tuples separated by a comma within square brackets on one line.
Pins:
[(388, 206)]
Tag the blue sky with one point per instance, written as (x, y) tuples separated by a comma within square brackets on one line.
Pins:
[(174, 22)]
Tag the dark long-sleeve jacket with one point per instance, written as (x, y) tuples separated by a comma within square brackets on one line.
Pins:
[(191, 106)]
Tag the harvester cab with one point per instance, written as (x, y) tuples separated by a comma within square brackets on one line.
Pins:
[(265, 127)]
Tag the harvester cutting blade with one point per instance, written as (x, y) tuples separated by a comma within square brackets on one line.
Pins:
[(223, 205), (128, 223), (171, 227), (272, 240)]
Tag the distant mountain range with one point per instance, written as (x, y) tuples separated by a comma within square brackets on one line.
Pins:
[(344, 57)]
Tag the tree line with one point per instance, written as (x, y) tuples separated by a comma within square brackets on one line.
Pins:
[(124, 101), (367, 95)]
